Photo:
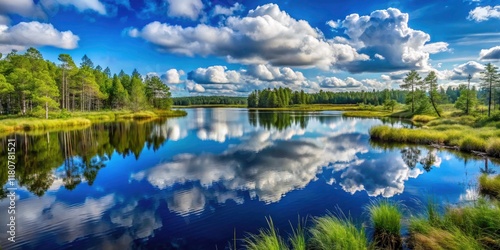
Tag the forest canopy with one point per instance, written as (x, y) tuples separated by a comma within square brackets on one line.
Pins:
[(29, 84)]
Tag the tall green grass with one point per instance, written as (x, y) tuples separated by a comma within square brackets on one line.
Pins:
[(29, 124), (385, 218), (467, 139), (333, 233), (298, 239), (79, 119), (475, 226), (423, 118), (490, 186), (266, 239)]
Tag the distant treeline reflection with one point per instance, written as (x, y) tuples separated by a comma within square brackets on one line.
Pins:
[(79, 154)]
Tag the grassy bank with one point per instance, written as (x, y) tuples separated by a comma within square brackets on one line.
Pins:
[(477, 134), (475, 226), (470, 226), (79, 119)]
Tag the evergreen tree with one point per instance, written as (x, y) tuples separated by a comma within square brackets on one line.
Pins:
[(430, 82), (138, 99), (412, 82), (490, 81)]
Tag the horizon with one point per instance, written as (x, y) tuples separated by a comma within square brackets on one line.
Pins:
[(230, 48)]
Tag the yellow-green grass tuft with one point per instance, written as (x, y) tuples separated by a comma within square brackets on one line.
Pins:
[(385, 218), (333, 233), (490, 186), (423, 118), (493, 147), (266, 239)]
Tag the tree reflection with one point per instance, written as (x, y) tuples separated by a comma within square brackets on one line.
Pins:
[(78, 154), (429, 160), (486, 169), (411, 156), (278, 120)]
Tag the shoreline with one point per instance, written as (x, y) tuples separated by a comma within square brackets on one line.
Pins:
[(80, 120)]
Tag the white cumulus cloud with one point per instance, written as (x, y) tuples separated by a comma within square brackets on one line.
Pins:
[(490, 54), (224, 11), (480, 14), (172, 76), (386, 32), (185, 8), (214, 74), (266, 35), (23, 35)]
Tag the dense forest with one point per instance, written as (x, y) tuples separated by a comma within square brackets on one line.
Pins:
[(284, 97), (29, 84), (209, 100)]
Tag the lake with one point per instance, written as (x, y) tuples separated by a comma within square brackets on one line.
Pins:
[(195, 182)]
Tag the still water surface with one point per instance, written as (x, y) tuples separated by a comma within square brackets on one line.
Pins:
[(192, 182)]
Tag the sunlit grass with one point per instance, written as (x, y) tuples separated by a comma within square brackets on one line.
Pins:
[(385, 218), (490, 186), (78, 119), (298, 238), (423, 118), (266, 239), (467, 139), (475, 226), (332, 233)]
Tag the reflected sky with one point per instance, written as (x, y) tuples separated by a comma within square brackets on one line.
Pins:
[(189, 183)]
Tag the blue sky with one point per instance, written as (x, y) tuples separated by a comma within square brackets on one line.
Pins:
[(232, 47)]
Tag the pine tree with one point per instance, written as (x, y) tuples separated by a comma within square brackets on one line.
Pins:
[(490, 81), (412, 83)]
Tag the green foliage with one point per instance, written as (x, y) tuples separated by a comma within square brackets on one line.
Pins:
[(471, 96), (490, 186), (209, 100), (332, 233), (298, 237), (385, 218), (466, 227), (423, 118), (490, 77), (412, 82), (30, 85), (285, 97), (157, 93), (267, 239), (138, 99)]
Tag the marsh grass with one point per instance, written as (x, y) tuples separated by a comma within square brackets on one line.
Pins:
[(334, 233), (266, 239), (79, 120), (385, 218), (423, 118), (466, 138), (475, 226), (30, 124), (490, 186), (298, 238)]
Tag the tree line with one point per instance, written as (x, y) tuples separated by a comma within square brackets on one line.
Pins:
[(284, 97), (423, 94), (29, 84), (209, 100)]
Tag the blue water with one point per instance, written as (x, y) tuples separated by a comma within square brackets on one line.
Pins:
[(193, 182)]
